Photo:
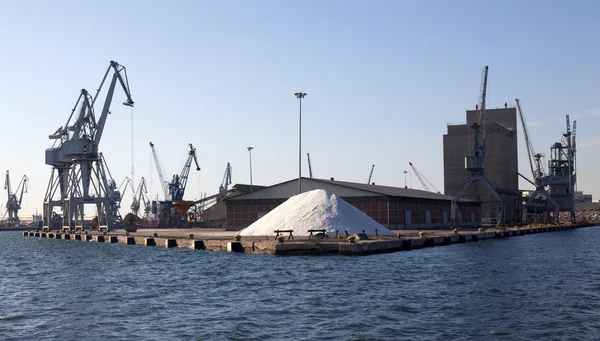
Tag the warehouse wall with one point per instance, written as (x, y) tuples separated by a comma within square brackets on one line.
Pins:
[(394, 213)]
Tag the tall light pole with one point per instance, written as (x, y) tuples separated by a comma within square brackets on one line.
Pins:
[(405, 172), (300, 96), (250, 155)]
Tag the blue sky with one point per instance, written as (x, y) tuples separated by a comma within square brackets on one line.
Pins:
[(383, 78)]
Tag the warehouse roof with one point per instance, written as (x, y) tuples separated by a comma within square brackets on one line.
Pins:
[(389, 190), (376, 190)]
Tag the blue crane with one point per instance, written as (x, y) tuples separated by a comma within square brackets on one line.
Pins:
[(175, 189)]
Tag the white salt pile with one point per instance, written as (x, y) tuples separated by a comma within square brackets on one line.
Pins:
[(315, 210)]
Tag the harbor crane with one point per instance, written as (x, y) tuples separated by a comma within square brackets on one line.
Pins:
[(225, 183), (537, 169), (309, 166), (140, 196), (79, 171), (13, 205), (175, 189), (474, 163), (422, 179), (370, 175), (160, 171)]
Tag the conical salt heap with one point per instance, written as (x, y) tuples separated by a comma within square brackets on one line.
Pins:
[(316, 210)]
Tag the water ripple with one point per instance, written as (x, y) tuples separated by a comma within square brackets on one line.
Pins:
[(543, 286)]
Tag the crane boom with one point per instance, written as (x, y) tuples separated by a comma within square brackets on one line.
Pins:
[(371, 174), (111, 89), (225, 183), (7, 184), (181, 183), (534, 163), (160, 171), (482, 118), (23, 186), (422, 179), (309, 166)]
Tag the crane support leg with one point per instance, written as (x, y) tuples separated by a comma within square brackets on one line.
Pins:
[(477, 178), (541, 190)]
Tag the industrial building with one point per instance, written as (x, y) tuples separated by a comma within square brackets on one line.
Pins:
[(580, 197), (501, 162), (213, 209), (393, 207)]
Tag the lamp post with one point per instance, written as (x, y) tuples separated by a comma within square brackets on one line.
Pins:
[(250, 155), (300, 96), (405, 172)]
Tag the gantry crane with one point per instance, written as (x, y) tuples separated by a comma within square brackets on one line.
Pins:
[(371, 174), (423, 179), (537, 169), (475, 161), (79, 172), (224, 187), (175, 189), (13, 205), (309, 166)]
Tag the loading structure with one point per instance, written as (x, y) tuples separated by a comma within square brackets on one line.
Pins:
[(562, 174), (80, 175)]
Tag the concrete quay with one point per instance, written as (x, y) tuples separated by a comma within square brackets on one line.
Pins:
[(219, 240)]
